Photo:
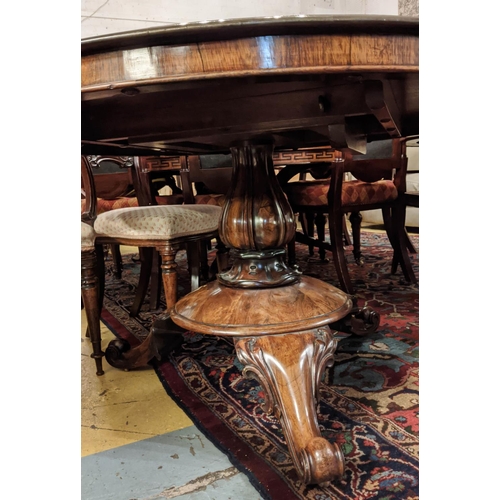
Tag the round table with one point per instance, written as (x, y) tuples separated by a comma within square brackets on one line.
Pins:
[(254, 87)]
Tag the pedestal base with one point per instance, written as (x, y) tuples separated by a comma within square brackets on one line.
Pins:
[(215, 309), (283, 339)]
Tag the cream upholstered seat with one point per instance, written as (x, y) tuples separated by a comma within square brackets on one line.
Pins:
[(160, 222), (88, 237)]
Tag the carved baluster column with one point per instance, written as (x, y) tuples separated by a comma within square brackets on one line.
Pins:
[(257, 221)]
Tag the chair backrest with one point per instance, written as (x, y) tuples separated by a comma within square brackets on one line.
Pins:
[(112, 176), (211, 174), (88, 192), (148, 181), (383, 160)]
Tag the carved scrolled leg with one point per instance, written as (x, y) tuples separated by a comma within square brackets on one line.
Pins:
[(289, 367)]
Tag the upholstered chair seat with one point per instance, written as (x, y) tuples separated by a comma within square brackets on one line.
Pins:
[(160, 222), (103, 205), (315, 193), (88, 238), (210, 199)]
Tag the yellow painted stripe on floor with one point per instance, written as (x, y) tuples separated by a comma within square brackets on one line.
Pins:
[(121, 407)]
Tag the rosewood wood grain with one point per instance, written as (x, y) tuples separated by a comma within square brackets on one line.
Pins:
[(290, 368), (249, 56), (215, 309)]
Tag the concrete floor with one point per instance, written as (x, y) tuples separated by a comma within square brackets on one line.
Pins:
[(137, 444)]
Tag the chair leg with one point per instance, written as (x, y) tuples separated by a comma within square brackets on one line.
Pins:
[(146, 258), (222, 255), (401, 255), (90, 295), (355, 219), (117, 261), (169, 273), (155, 284), (345, 232), (101, 274), (310, 230), (204, 247), (388, 226), (320, 221), (193, 258), (409, 243), (339, 260)]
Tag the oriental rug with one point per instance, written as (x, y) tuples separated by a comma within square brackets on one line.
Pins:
[(368, 400)]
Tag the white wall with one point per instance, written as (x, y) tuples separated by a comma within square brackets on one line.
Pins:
[(110, 16)]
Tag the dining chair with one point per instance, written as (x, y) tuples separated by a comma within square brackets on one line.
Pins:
[(205, 180), (165, 228), (146, 172), (89, 267), (377, 183), (410, 198), (114, 189)]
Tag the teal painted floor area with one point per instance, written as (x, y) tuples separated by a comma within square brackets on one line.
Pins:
[(182, 464)]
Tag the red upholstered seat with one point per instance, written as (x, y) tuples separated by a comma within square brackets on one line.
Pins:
[(315, 193), (103, 205), (107, 205), (210, 199)]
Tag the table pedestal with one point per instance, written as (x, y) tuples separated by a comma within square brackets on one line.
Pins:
[(283, 339), (278, 319)]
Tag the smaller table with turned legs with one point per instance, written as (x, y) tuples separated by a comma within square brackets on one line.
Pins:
[(250, 87)]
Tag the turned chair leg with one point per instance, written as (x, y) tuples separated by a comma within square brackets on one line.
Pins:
[(355, 220), (90, 295), (169, 273)]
